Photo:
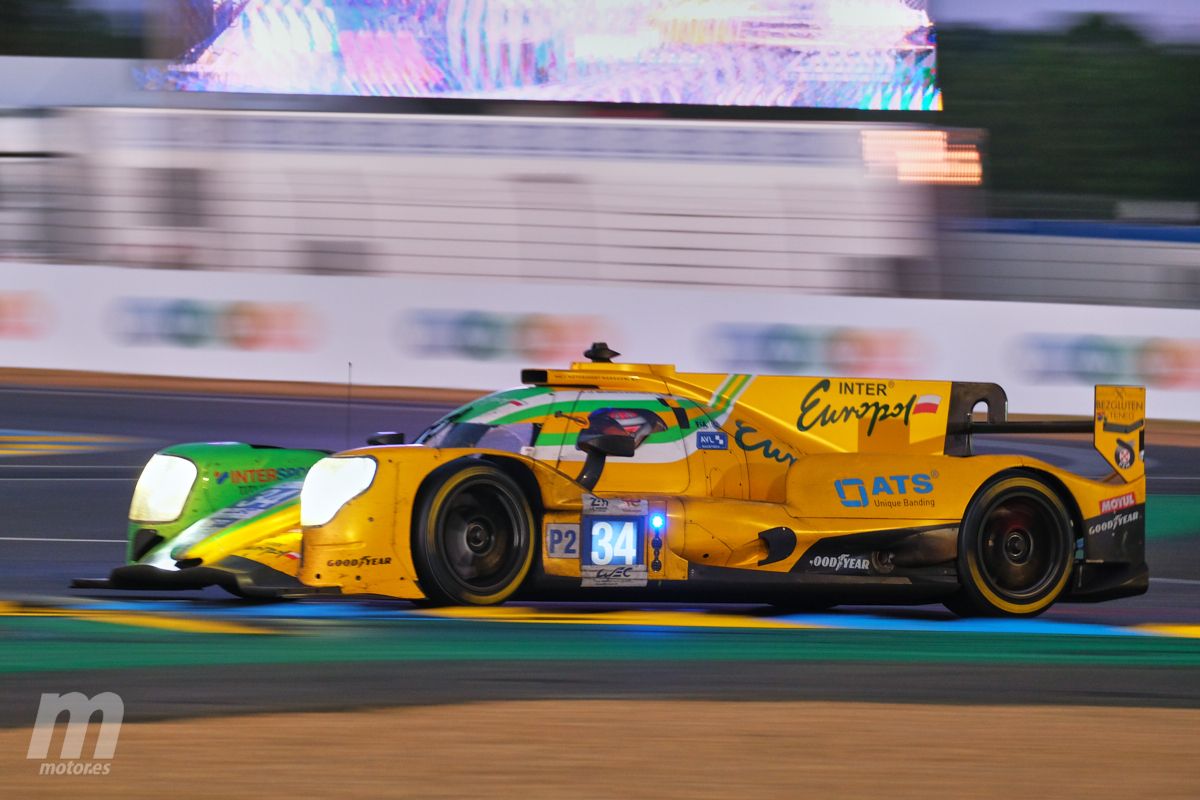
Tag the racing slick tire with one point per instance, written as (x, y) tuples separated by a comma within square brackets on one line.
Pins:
[(1015, 549), (472, 535)]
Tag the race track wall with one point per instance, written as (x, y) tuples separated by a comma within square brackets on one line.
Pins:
[(478, 334)]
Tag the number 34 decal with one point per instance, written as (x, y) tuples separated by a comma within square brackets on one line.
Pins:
[(605, 542), (613, 542)]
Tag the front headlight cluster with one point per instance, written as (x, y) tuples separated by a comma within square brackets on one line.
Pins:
[(330, 484), (163, 489)]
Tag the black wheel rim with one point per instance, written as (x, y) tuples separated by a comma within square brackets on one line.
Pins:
[(1021, 547), (482, 535)]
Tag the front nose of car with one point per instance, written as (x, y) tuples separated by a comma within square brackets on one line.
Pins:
[(362, 545)]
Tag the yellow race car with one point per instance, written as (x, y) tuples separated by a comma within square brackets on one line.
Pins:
[(611, 480)]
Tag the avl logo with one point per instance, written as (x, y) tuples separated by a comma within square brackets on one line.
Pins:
[(79, 709), (712, 440), (860, 492)]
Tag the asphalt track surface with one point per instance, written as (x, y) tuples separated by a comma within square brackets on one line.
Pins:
[(65, 491)]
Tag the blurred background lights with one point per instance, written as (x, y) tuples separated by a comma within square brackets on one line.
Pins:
[(921, 156)]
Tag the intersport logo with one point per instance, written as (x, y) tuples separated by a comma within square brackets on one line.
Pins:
[(1117, 503)]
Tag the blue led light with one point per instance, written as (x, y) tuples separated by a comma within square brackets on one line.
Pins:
[(657, 521)]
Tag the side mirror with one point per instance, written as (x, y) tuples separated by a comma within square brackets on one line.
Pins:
[(608, 444), (612, 425), (613, 432), (386, 437)]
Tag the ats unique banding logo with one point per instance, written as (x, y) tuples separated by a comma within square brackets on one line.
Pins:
[(887, 491)]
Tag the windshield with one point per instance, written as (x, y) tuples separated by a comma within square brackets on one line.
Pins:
[(513, 438), (509, 420)]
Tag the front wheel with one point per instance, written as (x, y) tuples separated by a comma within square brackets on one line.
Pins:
[(1015, 550), (472, 535)]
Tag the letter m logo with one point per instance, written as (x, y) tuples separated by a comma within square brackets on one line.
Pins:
[(79, 709), (852, 492)]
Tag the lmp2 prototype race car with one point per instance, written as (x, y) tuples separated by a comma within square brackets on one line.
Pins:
[(613, 480)]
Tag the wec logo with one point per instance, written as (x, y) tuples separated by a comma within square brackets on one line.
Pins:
[(79, 709), (882, 489)]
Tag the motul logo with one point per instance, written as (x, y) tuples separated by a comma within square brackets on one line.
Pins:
[(1117, 503)]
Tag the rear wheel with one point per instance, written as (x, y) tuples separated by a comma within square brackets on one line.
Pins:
[(1015, 549), (472, 535)]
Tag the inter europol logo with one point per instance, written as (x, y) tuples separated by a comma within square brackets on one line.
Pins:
[(818, 410), (79, 709)]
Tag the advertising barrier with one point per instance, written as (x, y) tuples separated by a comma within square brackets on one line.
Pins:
[(477, 334)]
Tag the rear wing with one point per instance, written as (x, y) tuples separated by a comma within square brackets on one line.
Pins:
[(1118, 424)]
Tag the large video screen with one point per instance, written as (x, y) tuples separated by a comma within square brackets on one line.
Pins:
[(853, 54)]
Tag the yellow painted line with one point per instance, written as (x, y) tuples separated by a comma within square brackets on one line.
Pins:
[(662, 619), (46, 446), (131, 618), (43, 451), (1182, 631), (20, 437)]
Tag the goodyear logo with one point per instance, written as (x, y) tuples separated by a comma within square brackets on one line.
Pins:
[(886, 491), (841, 563)]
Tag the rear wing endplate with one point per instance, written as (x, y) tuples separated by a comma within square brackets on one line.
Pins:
[(1120, 429)]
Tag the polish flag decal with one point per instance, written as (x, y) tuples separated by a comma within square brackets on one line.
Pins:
[(927, 404)]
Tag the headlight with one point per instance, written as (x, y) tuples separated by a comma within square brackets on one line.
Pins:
[(162, 489), (330, 484)]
